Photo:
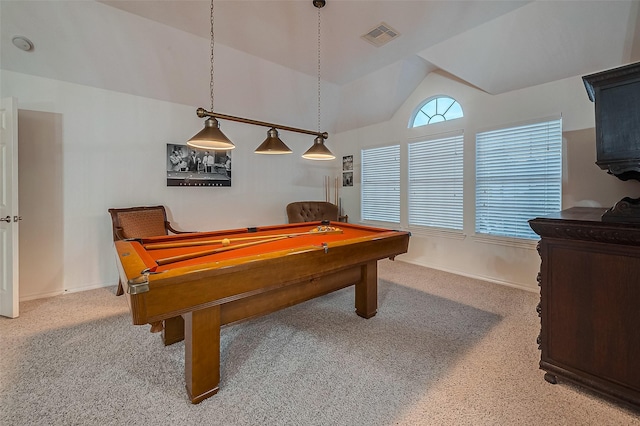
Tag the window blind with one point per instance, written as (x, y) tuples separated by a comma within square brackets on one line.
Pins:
[(381, 184), (436, 183), (518, 177)]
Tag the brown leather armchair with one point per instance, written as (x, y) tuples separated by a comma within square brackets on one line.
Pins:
[(139, 222), (309, 211)]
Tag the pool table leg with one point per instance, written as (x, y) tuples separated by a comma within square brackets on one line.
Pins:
[(173, 330), (367, 291), (202, 353)]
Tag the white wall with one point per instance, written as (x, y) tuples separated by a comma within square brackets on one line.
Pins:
[(113, 144), (114, 155), (508, 262)]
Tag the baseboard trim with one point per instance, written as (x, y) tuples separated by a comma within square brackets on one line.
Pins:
[(62, 292), (41, 295), (474, 276)]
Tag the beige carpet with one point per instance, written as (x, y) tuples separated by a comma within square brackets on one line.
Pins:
[(442, 350)]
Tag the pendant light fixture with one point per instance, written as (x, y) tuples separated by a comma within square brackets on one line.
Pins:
[(211, 137), (318, 150), (272, 144)]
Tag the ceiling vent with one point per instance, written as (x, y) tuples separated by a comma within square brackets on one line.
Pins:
[(380, 35)]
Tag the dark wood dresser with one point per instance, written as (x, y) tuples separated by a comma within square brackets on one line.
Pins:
[(590, 302)]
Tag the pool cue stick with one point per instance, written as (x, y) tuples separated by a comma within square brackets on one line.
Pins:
[(188, 256), (326, 189), (158, 246)]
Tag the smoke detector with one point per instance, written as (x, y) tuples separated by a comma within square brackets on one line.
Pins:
[(380, 35), (22, 43)]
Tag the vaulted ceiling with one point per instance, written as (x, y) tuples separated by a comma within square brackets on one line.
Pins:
[(496, 46)]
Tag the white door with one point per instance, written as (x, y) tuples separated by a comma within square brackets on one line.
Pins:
[(9, 216)]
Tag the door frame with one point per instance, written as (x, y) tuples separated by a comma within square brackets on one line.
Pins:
[(9, 277)]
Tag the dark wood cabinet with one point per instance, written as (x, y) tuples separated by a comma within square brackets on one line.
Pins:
[(590, 302), (616, 93)]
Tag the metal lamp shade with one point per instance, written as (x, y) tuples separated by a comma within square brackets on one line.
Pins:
[(211, 137), (318, 151), (272, 144)]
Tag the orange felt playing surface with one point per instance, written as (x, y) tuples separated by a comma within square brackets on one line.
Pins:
[(277, 240)]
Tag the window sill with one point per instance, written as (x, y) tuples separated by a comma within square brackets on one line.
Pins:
[(437, 232), (380, 224), (506, 241)]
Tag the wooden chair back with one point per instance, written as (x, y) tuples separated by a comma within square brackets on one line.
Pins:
[(139, 222)]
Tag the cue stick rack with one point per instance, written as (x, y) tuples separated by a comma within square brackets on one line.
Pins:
[(327, 192)]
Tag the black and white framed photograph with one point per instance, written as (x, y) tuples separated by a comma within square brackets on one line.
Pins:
[(347, 163), (347, 170), (347, 179), (187, 166)]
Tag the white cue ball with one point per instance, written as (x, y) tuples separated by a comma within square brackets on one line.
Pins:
[(225, 242)]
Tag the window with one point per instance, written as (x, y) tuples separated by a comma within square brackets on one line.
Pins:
[(436, 110), (436, 183), (381, 184), (518, 177)]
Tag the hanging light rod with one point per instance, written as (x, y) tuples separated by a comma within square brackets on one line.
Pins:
[(201, 112)]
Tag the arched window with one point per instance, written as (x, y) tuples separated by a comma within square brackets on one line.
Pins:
[(436, 110)]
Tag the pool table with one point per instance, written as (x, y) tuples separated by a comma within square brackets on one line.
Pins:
[(189, 285)]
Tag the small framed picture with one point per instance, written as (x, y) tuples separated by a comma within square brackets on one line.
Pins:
[(347, 163), (187, 166), (347, 179)]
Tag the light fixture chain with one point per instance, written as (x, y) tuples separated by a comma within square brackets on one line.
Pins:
[(318, 70), (212, 57)]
